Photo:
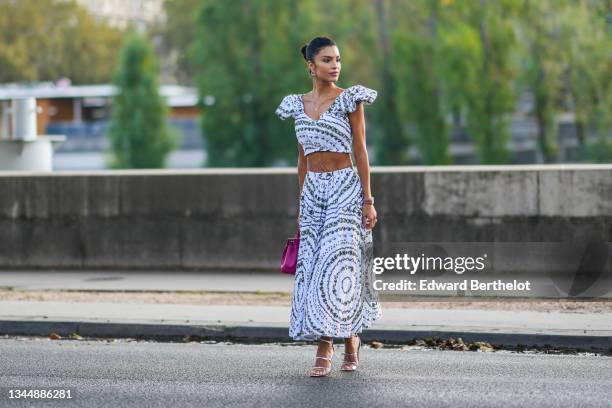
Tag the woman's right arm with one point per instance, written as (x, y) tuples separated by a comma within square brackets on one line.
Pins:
[(301, 167)]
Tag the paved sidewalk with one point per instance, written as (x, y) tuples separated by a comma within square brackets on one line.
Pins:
[(222, 281), (586, 329), (583, 330), (493, 321)]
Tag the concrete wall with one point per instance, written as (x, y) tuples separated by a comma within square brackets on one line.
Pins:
[(240, 218)]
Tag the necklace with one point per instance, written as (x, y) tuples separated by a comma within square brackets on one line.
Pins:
[(318, 106)]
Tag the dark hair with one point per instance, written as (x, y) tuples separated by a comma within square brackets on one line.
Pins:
[(312, 48)]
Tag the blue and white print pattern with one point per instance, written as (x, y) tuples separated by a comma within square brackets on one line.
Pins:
[(332, 131), (333, 291)]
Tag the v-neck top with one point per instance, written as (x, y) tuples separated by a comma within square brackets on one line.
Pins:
[(332, 131)]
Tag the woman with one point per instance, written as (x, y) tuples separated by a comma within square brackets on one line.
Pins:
[(332, 294)]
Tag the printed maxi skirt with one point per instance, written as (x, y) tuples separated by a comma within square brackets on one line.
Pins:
[(333, 292)]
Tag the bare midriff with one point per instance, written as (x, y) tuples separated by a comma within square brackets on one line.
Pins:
[(328, 161)]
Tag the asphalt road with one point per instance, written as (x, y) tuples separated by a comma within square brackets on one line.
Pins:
[(149, 374)]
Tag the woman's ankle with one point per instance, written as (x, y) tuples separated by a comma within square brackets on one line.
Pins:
[(350, 343)]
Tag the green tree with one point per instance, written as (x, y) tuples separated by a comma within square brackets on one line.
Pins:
[(247, 54), (492, 102), (44, 40), (546, 62), (392, 143), (436, 64), (589, 82), (138, 131), (455, 61), (459, 47), (421, 79)]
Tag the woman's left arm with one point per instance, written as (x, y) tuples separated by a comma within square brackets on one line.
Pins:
[(357, 121)]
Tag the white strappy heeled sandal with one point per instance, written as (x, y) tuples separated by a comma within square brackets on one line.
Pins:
[(351, 365), (320, 371)]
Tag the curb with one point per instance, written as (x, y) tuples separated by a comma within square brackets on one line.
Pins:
[(255, 334)]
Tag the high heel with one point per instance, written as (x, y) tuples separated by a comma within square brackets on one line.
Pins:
[(316, 370), (351, 365)]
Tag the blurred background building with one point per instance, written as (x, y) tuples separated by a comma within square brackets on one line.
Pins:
[(82, 112), (121, 13)]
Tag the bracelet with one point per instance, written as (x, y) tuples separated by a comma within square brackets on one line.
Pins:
[(369, 200)]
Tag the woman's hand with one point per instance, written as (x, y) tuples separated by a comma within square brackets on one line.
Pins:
[(369, 216)]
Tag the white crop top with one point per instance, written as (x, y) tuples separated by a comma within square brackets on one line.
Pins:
[(332, 131)]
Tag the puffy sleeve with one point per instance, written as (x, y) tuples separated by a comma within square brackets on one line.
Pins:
[(358, 93), (286, 109)]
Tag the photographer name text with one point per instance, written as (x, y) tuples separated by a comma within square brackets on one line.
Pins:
[(433, 285)]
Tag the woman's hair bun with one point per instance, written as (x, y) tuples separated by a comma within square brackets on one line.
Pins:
[(304, 51), (312, 48)]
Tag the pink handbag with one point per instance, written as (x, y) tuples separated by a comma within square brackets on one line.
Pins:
[(290, 254)]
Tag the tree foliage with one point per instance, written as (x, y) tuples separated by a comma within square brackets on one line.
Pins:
[(45, 40), (439, 66), (138, 131)]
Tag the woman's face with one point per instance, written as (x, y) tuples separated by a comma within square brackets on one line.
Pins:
[(327, 64)]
